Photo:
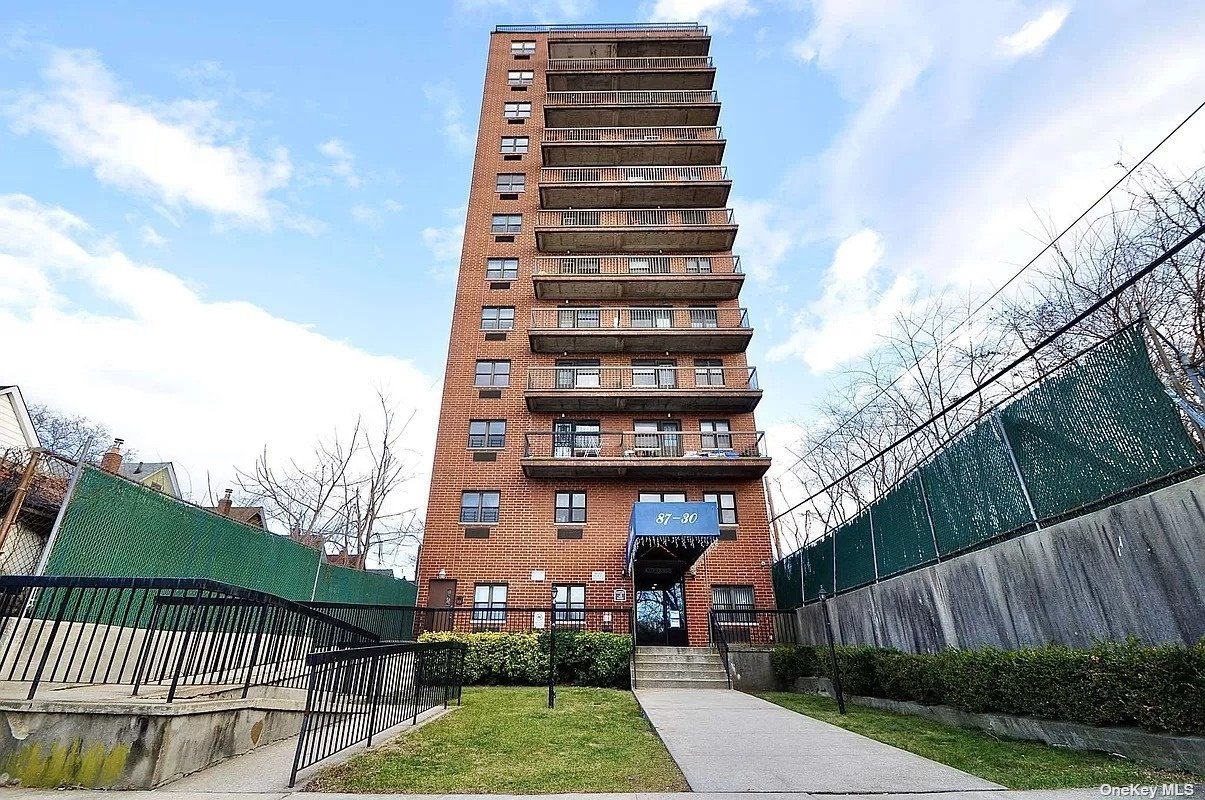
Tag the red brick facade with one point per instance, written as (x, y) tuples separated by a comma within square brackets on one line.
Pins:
[(524, 538)]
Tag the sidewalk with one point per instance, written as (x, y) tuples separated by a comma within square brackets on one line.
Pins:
[(728, 741)]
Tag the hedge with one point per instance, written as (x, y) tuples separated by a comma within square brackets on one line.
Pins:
[(585, 658), (1160, 688)]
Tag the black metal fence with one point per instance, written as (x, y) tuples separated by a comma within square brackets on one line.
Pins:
[(159, 631), (511, 619), (355, 694), (390, 623), (752, 627)]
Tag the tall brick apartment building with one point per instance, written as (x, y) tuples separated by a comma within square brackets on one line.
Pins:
[(596, 440)]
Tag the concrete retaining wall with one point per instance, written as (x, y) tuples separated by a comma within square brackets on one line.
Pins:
[(1156, 749), (751, 671), (1134, 569), (133, 745)]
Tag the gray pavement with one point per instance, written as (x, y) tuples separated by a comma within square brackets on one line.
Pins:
[(166, 794), (727, 741)]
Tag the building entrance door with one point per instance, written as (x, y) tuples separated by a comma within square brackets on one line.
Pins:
[(441, 594), (660, 603)]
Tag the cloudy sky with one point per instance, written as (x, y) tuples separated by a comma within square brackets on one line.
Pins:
[(229, 225)]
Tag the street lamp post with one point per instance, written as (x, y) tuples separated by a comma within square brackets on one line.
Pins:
[(832, 652)]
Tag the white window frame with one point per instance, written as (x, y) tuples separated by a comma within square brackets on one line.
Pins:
[(489, 606)]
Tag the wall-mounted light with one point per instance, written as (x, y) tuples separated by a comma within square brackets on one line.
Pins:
[(443, 573)]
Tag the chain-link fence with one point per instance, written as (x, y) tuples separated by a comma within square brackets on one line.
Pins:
[(1095, 430), (113, 527)]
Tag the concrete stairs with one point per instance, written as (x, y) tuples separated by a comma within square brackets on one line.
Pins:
[(679, 668)]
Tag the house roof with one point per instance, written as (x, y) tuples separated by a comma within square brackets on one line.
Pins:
[(141, 471), (248, 515), (24, 420)]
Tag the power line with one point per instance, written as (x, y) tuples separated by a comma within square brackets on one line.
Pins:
[(1090, 310), (996, 293)]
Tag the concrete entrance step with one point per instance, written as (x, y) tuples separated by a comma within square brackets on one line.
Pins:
[(698, 658), (681, 683), (666, 650), (681, 675)]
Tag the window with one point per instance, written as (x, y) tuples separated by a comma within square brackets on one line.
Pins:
[(569, 601), (492, 373), (651, 317), (516, 110), (704, 317), (570, 507), (479, 507), (522, 48), (589, 265), (489, 603), (506, 223), (501, 269), (578, 317), (497, 318), (714, 435), (487, 433), (654, 374), (661, 497), (509, 182), (657, 438), (733, 598), (520, 77), (648, 265), (582, 374), (514, 144), (709, 372), (576, 439), (726, 503), (698, 265)]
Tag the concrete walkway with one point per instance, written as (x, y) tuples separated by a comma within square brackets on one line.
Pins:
[(729, 741)]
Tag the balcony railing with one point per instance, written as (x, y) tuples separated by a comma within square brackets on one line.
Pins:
[(651, 97), (637, 63), (592, 28), (682, 174), (685, 445), (635, 218), (637, 265), (639, 319), (651, 379), (681, 133)]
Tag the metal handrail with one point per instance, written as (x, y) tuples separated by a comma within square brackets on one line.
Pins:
[(645, 266), (637, 62), (646, 318), (635, 218), (592, 27), (645, 97), (652, 378), (721, 644), (677, 133), (682, 174), (677, 445)]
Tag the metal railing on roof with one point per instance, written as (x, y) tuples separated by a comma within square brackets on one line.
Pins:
[(595, 27)]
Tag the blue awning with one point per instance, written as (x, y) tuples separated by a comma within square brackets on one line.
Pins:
[(686, 529)]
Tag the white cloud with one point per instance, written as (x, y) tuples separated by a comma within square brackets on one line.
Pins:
[(764, 238), (444, 100), (180, 153), (343, 163), (541, 11), (151, 237), (374, 216), (205, 384), (1034, 35), (444, 243), (843, 323), (716, 13)]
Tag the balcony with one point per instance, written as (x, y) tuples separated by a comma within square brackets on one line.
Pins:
[(608, 147), (628, 74), (627, 42), (638, 277), (646, 456), (634, 187), (666, 230), (612, 109), (639, 330), (656, 389)]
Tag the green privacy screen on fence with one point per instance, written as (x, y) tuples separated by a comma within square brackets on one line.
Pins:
[(113, 527), (1093, 430)]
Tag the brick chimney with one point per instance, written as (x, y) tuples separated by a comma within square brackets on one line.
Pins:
[(111, 460), (225, 504)]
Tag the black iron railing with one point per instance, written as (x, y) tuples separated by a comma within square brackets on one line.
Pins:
[(389, 623), (513, 619), (142, 632), (753, 627), (352, 695)]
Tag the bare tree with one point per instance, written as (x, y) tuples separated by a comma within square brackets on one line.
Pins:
[(71, 435), (343, 497)]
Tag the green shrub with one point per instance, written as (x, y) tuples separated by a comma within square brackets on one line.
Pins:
[(584, 658), (1112, 683)]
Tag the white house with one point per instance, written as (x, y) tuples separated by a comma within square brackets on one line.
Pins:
[(16, 426)]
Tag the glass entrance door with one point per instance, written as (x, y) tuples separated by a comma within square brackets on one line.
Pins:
[(661, 615)]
